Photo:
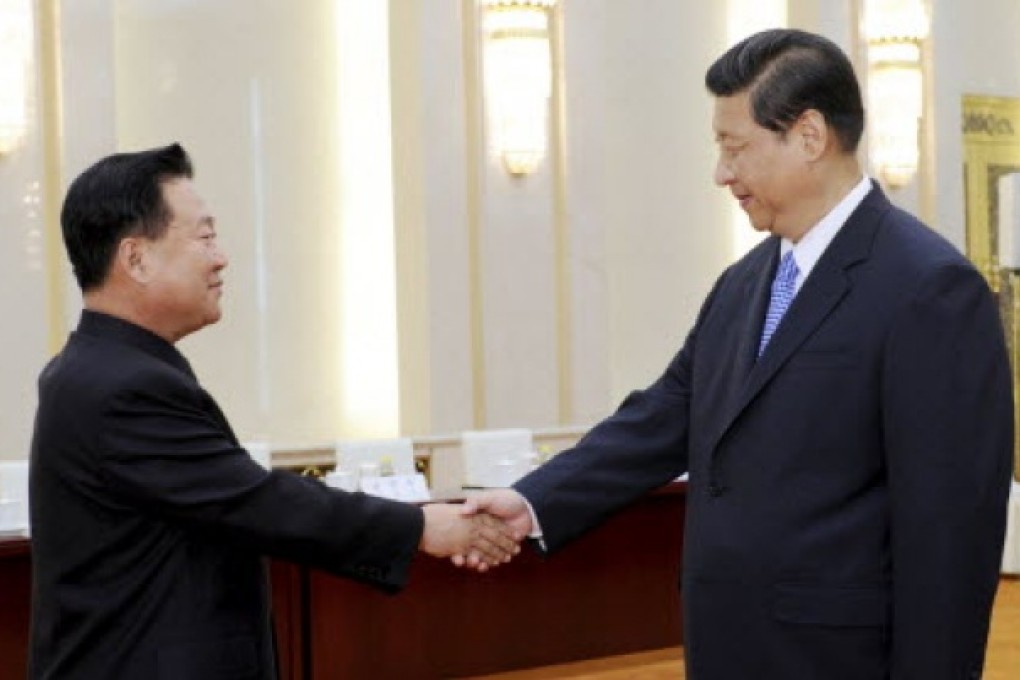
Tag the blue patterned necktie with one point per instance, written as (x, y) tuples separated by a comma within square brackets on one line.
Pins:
[(783, 287)]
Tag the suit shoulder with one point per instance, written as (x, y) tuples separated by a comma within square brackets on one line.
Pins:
[(910, 239), (918, 263), (93, 368)]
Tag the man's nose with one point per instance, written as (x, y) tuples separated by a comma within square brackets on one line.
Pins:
[(723, 175), (220, 258)]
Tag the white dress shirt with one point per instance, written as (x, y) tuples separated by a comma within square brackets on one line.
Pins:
[(809, 249)]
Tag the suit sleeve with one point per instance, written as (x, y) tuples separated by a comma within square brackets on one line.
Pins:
[(641, 447), (948, 417), (165, 453)]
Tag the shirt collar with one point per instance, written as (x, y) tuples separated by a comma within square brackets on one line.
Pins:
[(809, 249)]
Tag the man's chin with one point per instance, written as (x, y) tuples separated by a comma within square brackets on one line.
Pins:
[(760, 223)]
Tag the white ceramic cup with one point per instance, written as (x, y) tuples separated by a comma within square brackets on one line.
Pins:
[(368, 469), (507, 471), (341, 479), (10, 514)]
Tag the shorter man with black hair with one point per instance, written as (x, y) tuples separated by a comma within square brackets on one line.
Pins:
[(149, 521)]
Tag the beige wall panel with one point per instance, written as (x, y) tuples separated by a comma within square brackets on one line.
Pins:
[(23, 274), (250, 90), (432, 222), (667, 225)]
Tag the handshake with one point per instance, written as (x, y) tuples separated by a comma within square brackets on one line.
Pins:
[(484, 532)]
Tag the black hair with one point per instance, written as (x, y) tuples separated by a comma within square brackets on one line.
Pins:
[(787, 72), (118, 196)]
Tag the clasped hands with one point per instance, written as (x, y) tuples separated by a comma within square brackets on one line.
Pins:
[(484, 532)]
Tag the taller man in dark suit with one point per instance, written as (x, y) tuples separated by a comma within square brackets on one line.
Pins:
[(148, 519), (843, 405)]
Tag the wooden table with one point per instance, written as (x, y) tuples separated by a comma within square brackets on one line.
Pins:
[(15, 597), (613, 591)]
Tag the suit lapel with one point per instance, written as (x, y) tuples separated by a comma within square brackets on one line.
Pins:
[(828, 283), (817, 298), (757, 290)]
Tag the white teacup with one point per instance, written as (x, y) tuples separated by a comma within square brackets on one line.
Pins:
[(369, 469), (508, 471), (341, 479), (10, 514)]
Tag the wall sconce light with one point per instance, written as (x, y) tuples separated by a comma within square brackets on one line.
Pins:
[(517, 74), (894, 30)]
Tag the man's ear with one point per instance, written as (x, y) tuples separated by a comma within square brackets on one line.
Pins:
[(132, 258), (812, 133)]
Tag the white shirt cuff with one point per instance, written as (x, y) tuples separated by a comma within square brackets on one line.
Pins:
[(536, 528)]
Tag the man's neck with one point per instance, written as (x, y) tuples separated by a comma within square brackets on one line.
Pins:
[(108, 301), (838, 181)]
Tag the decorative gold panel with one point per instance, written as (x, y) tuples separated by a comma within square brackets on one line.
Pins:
[(991, 142)]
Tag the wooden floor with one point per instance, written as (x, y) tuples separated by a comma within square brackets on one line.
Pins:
[(1002, 662)]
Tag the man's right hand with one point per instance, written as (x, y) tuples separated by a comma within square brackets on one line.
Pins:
[(448, 532), (505, 504)]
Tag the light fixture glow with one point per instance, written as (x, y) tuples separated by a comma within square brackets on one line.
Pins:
[(518, 80), (15, 45), (369, 379), (894, 30)]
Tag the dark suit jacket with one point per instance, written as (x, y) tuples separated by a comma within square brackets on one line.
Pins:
[(847, 492), (149, 520)]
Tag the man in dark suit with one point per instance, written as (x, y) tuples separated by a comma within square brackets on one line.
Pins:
[(843, 405), (148, 518)]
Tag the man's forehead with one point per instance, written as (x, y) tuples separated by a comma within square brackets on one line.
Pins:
[(184, 202), (181, 189), (176, 184), (728, 127), (731, 117)]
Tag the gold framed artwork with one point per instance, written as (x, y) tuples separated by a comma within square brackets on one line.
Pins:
[(991, 168)]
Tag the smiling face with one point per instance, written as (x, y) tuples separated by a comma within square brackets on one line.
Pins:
[(183, 268), (764, 170)]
